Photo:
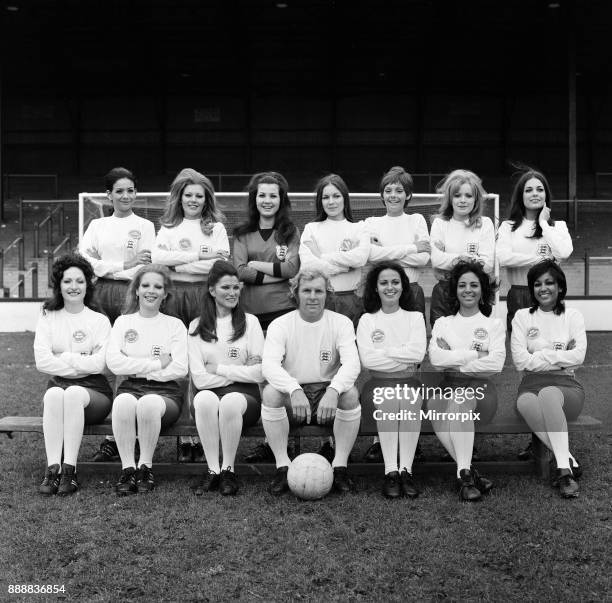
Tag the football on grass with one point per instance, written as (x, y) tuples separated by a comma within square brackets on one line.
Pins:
[(310, 476)]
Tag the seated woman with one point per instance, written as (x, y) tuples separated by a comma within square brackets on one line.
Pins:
[(469, 345), (150, 349), (225, 349), (548, 342), (391, 340), (70, 345)]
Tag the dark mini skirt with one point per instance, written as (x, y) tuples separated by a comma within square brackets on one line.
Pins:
[(572, 390), (97, 383), (142, 387), (249, 390)]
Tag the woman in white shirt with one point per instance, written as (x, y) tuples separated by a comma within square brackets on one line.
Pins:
[(529, 236), (548, 343), (149, 348), (336, 244), (70, 345), (469, 346), (225, 348), (459, 232), (391, 340), (191, 239)]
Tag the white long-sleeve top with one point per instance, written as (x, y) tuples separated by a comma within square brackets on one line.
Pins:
[(539, 340), (230, 356), (344, 248), (71, 345), (391, 342), (180, 247), (298, 352), (115, 241), (136, 344), (519, 250), (460, 239), (466, 336), (398, 236)]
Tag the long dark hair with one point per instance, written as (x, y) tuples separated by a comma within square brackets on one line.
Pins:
[(535, 272), (487, 286), (70, 260), (284, 228), (371, 299), (207, 324), (517, 205), (336, 181)]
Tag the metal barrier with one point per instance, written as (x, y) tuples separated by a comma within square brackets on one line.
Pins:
[(587, 268)]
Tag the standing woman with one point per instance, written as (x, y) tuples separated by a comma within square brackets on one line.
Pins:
[(459, 232), (191, 239), (70, 345), (225, 348), (266, 249), (336, 244), (548, 342), (391, 340), (398, 236), (469, 345), (529, 236), (150, 349), (117, 246)]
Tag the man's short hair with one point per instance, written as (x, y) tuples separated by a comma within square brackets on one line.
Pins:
[(307, 274)]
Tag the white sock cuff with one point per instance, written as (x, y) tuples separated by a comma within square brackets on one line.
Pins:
[(78, 394), (349, 415), (205, 398), (234, 401), (53, 395), (273, 414), (150, 404)]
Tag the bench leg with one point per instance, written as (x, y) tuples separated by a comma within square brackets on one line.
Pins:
[(542, 456)]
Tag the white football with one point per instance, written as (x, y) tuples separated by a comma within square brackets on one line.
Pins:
[(310, 476)]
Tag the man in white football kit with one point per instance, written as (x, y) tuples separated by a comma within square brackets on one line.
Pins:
[(311, 362)]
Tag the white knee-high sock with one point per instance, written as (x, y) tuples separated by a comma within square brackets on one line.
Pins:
[(276, 425), (53, 424), (346, 428), (206, 411), (76, 399), (551, 402), (409, 432), (388, 434), (124, 428), (231, 408), (149, 411)]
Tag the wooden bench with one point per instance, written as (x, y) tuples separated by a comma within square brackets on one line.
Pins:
[(511, 424)]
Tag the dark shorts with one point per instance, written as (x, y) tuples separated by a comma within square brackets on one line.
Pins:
[(186, 302), (572, 390), (440, 302), (249, 390), (109, 295), (374, 400), (482, 391), (94, 412), (518, 297), (171, 391)]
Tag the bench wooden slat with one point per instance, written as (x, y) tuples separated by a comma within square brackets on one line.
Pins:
[(504, 424)]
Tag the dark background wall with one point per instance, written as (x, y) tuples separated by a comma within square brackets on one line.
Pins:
[(237, 86)]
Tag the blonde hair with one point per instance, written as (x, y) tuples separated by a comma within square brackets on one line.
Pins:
[(450, 185)]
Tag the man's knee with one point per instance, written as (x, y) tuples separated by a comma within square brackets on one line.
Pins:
[(349, 400), (272, 398)]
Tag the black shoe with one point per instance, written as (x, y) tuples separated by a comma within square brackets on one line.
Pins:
[(467, 489), (373, 454), (408, 486), (145, 482), (568, 488), (127, 482), (526, 454), (184, 452), (342, 481), (279, 484), (228, 484), (107, 452), (576, 469), (391, 487), (327, 451), (197, 451), (208, 483), (68, 481), (419, 456), (262, 453), (50, 482), (482, 483)]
